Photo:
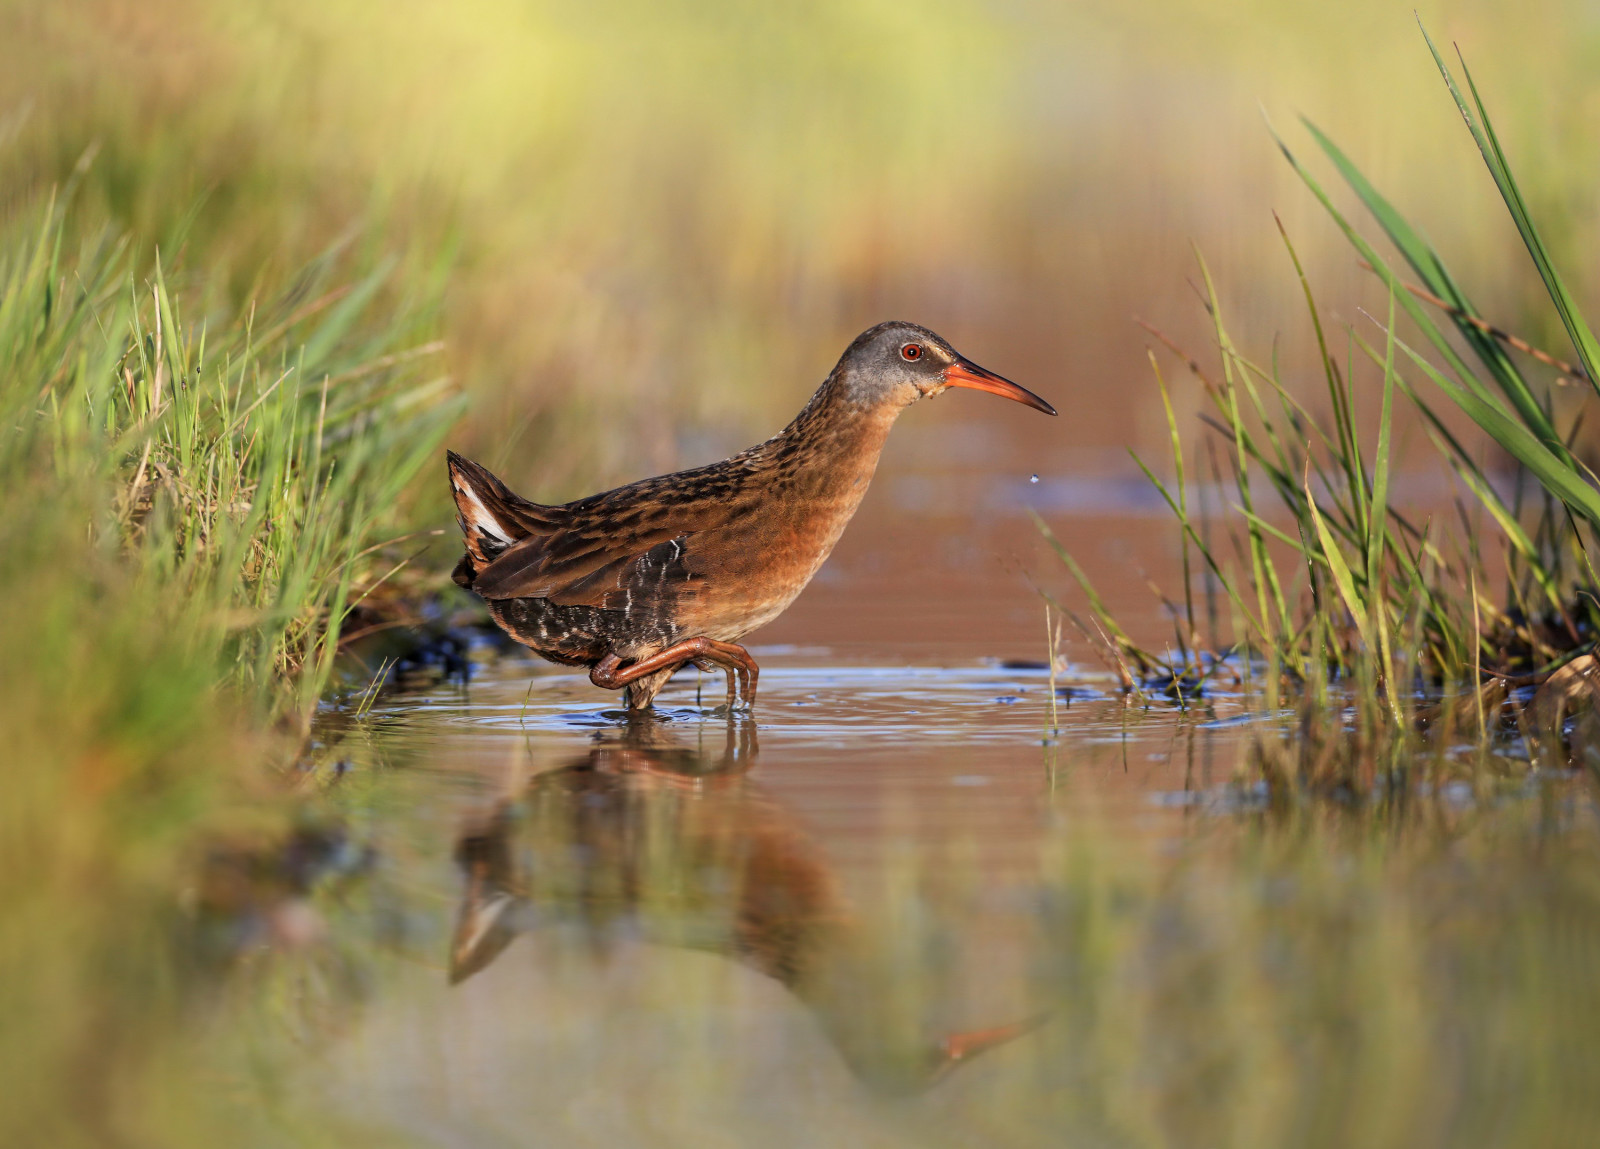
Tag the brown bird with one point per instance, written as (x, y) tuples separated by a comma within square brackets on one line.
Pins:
[(636, 582)]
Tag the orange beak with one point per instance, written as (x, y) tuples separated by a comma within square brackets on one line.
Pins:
[(965, 373)]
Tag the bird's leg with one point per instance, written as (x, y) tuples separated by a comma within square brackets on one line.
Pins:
[(611, 674)]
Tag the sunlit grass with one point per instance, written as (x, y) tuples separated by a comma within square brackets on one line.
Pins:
[(1377, 609), (236, 469), (190, 503)]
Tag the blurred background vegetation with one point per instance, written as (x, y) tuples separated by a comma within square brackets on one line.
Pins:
[(662, 222)]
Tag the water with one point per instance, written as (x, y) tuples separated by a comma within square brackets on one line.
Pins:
[(917, 898), (674, 924)]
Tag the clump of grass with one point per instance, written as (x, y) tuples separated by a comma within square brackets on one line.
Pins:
[(1354, 602), (239, 471), (189, 503)]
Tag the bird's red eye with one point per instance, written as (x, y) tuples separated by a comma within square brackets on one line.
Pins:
[(911, 352)]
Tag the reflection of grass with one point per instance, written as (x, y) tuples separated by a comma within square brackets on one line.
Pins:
[(1324, 984), (1250, 980)]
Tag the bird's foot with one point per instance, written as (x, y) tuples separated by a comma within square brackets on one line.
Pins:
[(735, 661)]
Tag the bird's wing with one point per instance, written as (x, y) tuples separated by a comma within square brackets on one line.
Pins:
[(611, 557), (633, 546)]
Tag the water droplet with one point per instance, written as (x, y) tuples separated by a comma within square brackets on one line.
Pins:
[(1034, 479)]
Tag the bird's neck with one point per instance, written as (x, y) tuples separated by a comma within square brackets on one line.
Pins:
[(832, 446)]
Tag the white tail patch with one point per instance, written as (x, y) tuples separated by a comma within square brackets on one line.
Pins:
[(479, 516)]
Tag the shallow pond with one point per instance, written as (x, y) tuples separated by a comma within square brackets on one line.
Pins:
[(898, 907), (680, 926)]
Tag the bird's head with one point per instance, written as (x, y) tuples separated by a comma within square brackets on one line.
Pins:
[(898, 363)]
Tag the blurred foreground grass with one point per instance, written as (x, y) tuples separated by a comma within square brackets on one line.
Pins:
[(190, 495), (1340, 982)]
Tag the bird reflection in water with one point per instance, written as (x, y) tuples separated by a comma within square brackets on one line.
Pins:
[(647, 837)]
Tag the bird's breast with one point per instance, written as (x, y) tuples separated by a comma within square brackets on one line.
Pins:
[(764, 565)]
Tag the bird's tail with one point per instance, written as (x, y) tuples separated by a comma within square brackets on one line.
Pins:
[(488, 920), (491, 517)]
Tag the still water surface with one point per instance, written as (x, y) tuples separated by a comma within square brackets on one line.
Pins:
[(902, 905), (836, 921)]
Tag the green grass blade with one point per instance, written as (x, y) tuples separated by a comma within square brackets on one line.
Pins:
[(1342, 577), (1205, 552), (1507, 522), (1583, 339), (1282, 536), (1269, 593), (1183, 501), (1348, 454), (1082, 579), (1377, 524), (1412, 307), (1425, 261), (1554, 473), (341, 318)]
